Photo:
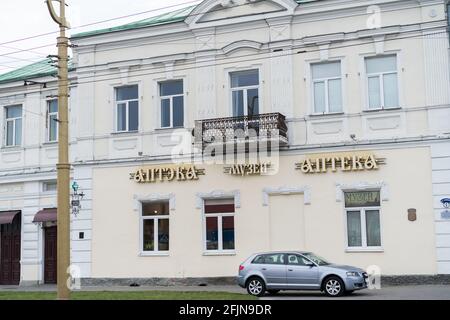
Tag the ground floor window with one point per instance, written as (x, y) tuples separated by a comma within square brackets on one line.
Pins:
[(155, 225), (363, 219), (219, 225)]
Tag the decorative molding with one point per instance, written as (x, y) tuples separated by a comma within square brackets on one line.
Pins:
[(379, 41), (218, 194), (361, 186), (241, 44), (324, 51), (305, 190), (152, 197)]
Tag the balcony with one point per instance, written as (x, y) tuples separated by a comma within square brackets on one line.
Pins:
[(269, 127)]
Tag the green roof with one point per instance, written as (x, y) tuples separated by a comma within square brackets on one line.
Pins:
[(36, 70), (170, 17), (165, 18)]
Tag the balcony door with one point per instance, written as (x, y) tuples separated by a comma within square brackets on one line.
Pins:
[(245, 93)]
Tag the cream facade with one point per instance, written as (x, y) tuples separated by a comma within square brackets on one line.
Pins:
[(333, 77)]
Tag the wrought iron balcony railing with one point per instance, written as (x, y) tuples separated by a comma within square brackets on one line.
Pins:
[(268, 126)]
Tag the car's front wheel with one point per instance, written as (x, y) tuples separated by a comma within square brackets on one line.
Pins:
[(334, 287), (256, 287)]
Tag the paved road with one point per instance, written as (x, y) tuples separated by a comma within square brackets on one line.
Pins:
[(424, 292)]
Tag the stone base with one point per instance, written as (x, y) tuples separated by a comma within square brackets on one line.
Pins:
[(164, 282), (158, 281)]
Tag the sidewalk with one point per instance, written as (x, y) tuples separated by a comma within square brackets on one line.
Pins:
[(50, 288)]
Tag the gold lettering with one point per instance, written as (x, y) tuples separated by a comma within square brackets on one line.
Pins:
[(357, 165), (180, 175), (324, 165), (371, 163), (191, 174), (139, 176), (307, 166), (170, 174), (345, 164)]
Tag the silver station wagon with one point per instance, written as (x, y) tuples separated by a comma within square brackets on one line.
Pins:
[(275, 271)]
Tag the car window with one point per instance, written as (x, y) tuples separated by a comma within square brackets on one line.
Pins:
[(277, 258), (259, 259), (294, 259)]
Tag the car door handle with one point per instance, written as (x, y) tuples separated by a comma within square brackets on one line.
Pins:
[(263, 269), (290, 270)]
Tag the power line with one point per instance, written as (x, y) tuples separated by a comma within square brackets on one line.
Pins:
[(153, 10)]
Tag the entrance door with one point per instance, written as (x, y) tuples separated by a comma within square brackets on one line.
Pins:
[(50, 255), (10, 252)]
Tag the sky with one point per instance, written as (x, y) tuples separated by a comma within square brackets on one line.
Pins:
[(28, 18)]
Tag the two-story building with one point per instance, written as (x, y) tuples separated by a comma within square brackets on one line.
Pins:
[(227, 128)]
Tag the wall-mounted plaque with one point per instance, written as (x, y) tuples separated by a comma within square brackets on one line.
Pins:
[(248, 169)]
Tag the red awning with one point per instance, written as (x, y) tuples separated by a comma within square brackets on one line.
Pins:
[(7, 217), (46, 215)]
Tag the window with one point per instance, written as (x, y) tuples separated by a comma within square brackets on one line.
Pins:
[(297, 260), (382, 82), (245, 93), (52, 120), (172, 104), (13, 125), (127, 108), (327, 87), (49, 186), (363, 219), (155, 226), (277, 258), (219, 225)]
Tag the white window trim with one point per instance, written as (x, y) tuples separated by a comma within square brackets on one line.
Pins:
[(305, 190), (363, 247), (220, 217), (366, 77), (49, 114), (245, 89), (327, 97), (170, 97), (5, 140), (228, 88), (156, 251), (116, 106)]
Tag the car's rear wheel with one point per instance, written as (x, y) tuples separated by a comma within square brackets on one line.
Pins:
[(256, 287), (334, 287), (273, 292)]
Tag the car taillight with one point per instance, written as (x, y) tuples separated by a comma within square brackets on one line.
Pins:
[(241, 268)]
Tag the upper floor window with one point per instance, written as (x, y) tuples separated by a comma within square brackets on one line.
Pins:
[(327, 87), (127, 108), (172, 104), (382, 81), (52, 120), (13, 125), (245, 93)]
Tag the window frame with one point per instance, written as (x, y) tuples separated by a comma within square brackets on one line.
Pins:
[(381, 76), (48, 119), (245, 91), (171, 97), (220, 216), (127, 114), (14, 121), (362, 213), (155, 218), (327, 93)]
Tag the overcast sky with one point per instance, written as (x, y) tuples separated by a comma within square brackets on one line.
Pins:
[(26, 18)]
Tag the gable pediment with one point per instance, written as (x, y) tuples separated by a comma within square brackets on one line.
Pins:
[(216, 12)]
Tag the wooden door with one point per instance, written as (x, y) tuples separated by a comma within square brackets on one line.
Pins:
[(50, 255), (10, 252)]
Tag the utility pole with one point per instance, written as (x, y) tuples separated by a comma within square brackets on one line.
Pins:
[(63, 166)]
